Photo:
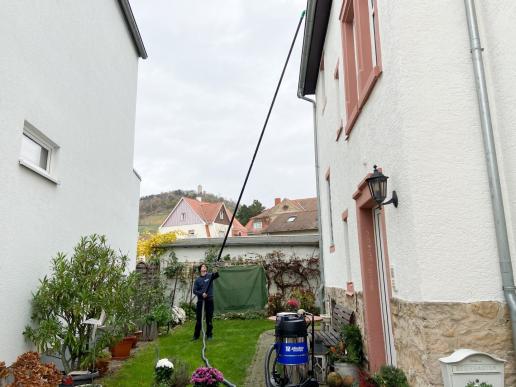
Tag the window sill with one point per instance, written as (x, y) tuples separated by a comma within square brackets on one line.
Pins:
[(39, 171), (364, 95)]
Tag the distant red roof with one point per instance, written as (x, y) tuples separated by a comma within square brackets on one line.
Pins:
[(209, 211)]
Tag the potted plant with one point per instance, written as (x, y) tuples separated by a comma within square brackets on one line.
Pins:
[(348, 355), (390, 376), (102, 362), (206, 376), (79, 287)]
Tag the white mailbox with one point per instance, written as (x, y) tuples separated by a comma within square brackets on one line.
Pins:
[(465, 365)]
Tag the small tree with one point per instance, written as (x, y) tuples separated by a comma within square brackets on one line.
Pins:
[(80, 287), (245, 212)]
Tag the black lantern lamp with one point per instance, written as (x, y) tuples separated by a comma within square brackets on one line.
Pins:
[(378, 187)]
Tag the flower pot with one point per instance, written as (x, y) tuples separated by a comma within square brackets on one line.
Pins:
[(122, 349), (346, 369), (133, 339), (102, 366)]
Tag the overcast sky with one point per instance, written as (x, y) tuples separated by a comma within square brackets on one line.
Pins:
[(204, 92)]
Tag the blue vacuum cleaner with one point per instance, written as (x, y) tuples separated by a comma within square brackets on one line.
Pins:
[(287, 361)]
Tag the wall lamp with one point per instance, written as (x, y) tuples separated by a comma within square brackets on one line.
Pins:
[(378, 187)]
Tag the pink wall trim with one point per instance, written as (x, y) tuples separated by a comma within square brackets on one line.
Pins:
[(372, 309), (339, 130)]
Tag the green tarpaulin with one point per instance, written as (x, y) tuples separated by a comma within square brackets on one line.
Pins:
[(240, 288)]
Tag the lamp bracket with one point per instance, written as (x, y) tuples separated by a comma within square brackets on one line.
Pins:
[(394, 200)]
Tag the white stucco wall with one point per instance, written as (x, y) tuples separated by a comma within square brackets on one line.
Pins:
[(421, 125), (199, 230), (70, 69)]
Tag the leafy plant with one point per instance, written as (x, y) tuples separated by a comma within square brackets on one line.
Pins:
[(352, 338), (80, 287), (189, 310), (275, 304), (205, 376), (390, 376), (245, 212), (477, 383), (171, 373), (306, 298), (247, 315), (150, 245), (29, 371)]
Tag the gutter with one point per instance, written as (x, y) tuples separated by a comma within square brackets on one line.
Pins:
[(307, 40), (133, 28), (502, 241)]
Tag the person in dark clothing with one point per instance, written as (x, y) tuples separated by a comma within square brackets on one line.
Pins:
[(203, 289)]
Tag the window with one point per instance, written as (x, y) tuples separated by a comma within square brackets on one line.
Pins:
[(221, 215), (183, 215), (328, 190), (257, 224), (37, 152), (361, 52), (291, 219), (191, 233)]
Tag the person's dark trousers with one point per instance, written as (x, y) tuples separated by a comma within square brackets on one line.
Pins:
[(208, 310)]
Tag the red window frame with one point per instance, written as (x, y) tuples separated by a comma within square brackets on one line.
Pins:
[(360, 73)]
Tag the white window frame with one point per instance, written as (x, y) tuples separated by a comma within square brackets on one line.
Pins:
[(221, 215), (291, 219), (256, 223), (183, 216), (44, 142)]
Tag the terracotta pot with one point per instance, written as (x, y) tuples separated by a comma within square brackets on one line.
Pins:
[(102, 366), (133, 340), (122, 349)]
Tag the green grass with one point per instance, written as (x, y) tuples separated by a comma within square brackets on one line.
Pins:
[(231, 351)]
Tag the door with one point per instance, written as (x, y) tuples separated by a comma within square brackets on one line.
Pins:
[(383, 286)]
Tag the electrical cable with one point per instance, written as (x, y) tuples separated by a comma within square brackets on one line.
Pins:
[(203, 352)]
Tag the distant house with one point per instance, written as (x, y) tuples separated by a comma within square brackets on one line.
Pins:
[(69, 74), (287, 216), (197, 219)]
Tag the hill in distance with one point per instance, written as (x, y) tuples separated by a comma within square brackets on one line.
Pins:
[(155, 208)]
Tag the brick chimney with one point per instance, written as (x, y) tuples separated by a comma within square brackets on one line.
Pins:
[(277, 201)]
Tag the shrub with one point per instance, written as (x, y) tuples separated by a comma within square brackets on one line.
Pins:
[(274, 304), (189, 309), (80, 287), (390, 376), (247, 315), (306, 299)]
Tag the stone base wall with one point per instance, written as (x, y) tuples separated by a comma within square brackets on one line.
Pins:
[(427, 331)]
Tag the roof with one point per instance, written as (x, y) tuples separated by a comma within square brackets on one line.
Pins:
[(302, 220), (133, 28), (209, 211), (305, 211), (206, 210), (317, 16), (262, 240)]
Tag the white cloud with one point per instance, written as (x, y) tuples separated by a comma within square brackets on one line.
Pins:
[(204, 92)]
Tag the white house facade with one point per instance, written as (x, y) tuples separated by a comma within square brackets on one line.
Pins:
[(394, 86), (68, 79), (193, 218)]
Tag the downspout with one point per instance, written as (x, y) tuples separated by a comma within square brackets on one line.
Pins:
[(321, 247), (502, 241)]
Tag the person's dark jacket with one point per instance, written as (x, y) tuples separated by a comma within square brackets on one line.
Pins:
[(201, 285)]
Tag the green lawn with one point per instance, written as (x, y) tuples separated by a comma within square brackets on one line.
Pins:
[(231, 351)]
